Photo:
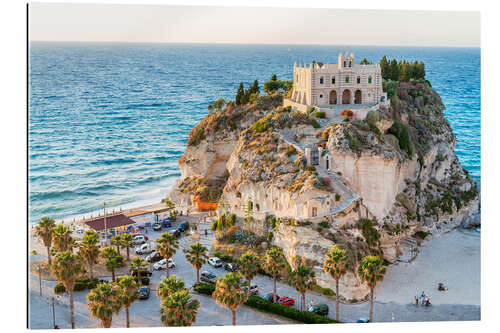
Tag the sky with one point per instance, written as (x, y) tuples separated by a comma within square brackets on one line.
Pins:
[(178, 24)]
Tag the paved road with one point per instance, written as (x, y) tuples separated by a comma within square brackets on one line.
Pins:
[(145, 313)]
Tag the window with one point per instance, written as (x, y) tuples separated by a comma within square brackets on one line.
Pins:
[(369, 79), (314, 211), (359, 80), (321, 80), (345, 64), (347, 79), (320, 96), (333, 79), (296, 78), (349, 64)]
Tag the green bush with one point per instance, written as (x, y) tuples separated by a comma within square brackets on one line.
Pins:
[(310, 110), (270, 236), (324, 224), (224, 257), (79, 286), (324, 291), (288, 108), (59, 288), (319, 114), (294, 314), (337, 197), (374, 128), (372, 117), (144, 279), (204, 288), (92, 283), (84, 280)]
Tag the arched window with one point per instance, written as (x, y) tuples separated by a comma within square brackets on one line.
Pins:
[(349, 64), (359, 80), (347, 79), (345, 64), (321, 96), (321, 80), (314, 211), (297, 78), (369, 79), (333, 79)]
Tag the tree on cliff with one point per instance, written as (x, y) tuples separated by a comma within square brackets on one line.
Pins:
[(302, 279), (274, 263), (371, 270), (239, 94), (336, 265)]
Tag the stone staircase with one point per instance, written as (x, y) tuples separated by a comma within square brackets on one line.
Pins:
[(408, 248), (348, 195)]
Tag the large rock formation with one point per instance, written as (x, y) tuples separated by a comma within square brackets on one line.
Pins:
[(392, 178)]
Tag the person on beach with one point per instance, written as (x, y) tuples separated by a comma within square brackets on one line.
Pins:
[(415, 301)]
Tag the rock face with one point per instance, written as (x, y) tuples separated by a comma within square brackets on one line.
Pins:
[(390, 180)]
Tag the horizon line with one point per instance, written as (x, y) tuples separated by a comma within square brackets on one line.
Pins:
[(236, 43)]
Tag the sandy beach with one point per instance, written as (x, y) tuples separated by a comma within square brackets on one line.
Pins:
[(453, 259)]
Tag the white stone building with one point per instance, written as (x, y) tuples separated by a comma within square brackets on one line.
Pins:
[(326, 85)]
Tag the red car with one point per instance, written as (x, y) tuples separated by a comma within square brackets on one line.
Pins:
[(286, 301)]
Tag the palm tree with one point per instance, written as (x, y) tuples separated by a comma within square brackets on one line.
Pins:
[(169, 285), (129, 295), (89, 249), (371, 270), (127, 243), (114, 260), (302, 279), (167, 245), (229, 292), (178, 309), (274, 263), (61, 238), (197, 256), (117, 241), (104, 300), (45, 229), (138, 265), (249, 267), (336, 265), (66, 267)]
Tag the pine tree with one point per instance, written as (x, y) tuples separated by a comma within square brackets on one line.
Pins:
[(239, 94)]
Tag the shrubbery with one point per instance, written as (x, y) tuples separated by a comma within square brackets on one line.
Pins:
[(294, 314), (224, 257), (324, 291), (204, 288), (319, 114), (79, 286), (59, 288), (266, 306)]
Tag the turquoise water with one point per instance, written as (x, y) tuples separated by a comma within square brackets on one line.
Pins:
[(108, 122)]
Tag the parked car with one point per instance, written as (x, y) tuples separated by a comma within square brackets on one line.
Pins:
[(363, 320), (139, 234), (157, 226), (138, 240), (146, 272), (269, 297), (286, 301), (183, 226), (145, 248), (160, 265), (166, 223), (254, 290), (208, 277), (154, 257), (144, 292), (230, 267), (214, 261), (175, 232), (141, 226), (319, 309)]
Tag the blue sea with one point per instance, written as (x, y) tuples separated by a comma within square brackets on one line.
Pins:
[(108, 122)]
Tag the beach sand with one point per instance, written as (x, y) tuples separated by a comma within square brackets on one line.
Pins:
[(453, 258)]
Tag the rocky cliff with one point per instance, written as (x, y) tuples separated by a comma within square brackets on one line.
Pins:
[(391, 179)]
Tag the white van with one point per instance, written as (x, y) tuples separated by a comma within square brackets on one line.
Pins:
[(145, 248)]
